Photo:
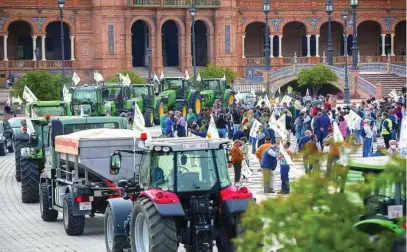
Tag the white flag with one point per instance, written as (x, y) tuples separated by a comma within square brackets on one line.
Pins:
[(403, 133), (162, 75), (33, 114), (212, 130), (28, 96), (338, 138), (255, 128), (393, 94), (279, 127), (266, 100), (98, 76), (156, 78), (121, 77), (67, 95), (307, 94), (279, 91), (272, 119), (127, 81), (30, 126), (286, 99), (187, 75), (198, 78), (223, 78), (353, 120), (17, 100), (75, 78), (286, 155)]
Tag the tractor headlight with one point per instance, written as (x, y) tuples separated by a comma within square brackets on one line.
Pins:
[(157, 148), (224, 146), (166, 149)]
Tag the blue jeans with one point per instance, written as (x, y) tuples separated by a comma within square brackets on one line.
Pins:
[(285, 186), (235, 127), (222, 133), (358, 137), (367, 145), (253, 141)]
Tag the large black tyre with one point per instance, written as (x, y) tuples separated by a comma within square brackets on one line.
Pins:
[(3, 148), (46, 213), (30, 179), (182, 107), (18, 145), (148, 117), (11, 148), (114, 243), (159, 111), (74, 225), (195, 102), (234, 229), (161, 231)]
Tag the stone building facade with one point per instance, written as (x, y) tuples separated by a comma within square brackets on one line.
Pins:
[(112, 35)]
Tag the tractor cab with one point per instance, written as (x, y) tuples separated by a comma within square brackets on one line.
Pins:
[(53, 108), (216, 89), (179, 84), (86, 98), (142, 93)]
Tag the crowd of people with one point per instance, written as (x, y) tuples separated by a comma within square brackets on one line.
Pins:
[(309, 119)]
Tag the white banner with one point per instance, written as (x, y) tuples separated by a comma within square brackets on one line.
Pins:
[(162, 75), (28, 96), (212, 130), (246, 172), (17, 100), (67, 95), (97, 76), (279, 127), (75, 78), (198, 78), (127, 81), (187, 75), (338, 138), (30, 126), (286, 99), (353, 120), (255, 128), (403, 133), (286, 155), (393, 94)]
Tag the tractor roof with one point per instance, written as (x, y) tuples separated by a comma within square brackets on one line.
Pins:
[(369, 164), (88, 119), (47, 103), (174, 78), (186, 144)]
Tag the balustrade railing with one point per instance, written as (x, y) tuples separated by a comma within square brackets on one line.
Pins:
[(176, 3), (366, 86), (33, 65), (398, 70), (246, 88)]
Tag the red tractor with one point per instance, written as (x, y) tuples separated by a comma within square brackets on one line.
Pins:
[(181, 194)]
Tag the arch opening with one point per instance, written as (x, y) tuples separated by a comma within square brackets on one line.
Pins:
[(325, 90), (369, 39), (400, 39), (337, 39), (295, 40), (19, 41), (53, 41), (254, 40), (170, 44), (139, 43), (201, 43)]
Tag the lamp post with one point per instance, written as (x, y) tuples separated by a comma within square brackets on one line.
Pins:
[(149, 65), (266, 10), (346, 95), (192, 11), (329, 10), (37, 55), (354, 4), (61, 4)]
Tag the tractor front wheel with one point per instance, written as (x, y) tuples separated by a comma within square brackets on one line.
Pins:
[(149, 231), (196, 103), (182, 107), (30, 179), (18, 145), (148, 117), (46, 213), (114, 243), (159, 111)]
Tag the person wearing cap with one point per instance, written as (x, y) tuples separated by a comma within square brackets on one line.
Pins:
[(367, 137)]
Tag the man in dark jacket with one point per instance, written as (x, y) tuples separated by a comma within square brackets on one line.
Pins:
[(239, 134), (321, 129)]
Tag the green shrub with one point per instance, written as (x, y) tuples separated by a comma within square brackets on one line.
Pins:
[(135, 78)]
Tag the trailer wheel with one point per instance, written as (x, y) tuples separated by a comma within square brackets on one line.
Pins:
[(3, 149), (148, 117), (74, 225), (18, 145), (149, 231), (225, 244), (114, 243), (46, 213), (30, 179)]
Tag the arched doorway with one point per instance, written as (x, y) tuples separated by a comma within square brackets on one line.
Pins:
[(53, 42), (294, 39), (337, 39), (19, 42), (325, 90), (400, 39), (139, 43), (254, 40), (369, 38), (201, 42), (170, 47)]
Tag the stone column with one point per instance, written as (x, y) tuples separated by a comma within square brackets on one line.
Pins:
[(243, 53), (383, 44), (317, 45), (280, 46), (392, 44), (43, 48), (5, 48), (308, 45), (188, 43), (72, 47), (271, 46), (34, 46)]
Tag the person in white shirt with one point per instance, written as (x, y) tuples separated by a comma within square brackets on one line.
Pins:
[(367, 139)]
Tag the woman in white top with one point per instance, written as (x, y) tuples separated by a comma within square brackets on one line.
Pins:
[(367, 140)]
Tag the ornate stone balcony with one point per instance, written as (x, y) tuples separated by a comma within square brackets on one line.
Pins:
[(175, 3), (32, 65)]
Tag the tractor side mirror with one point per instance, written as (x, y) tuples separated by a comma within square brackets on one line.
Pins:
[(33, 140), (115, 163)]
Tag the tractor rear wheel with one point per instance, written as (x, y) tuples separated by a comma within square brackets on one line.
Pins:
[(182, 107), (74, 225), (30, 179), (18, 145), (149, 231), (235, 230), (196, 103), (114, 243), (148, 117), (159, 111)]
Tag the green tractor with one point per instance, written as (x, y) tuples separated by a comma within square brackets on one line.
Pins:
[(215, 90), (122, 99), (89, 99), (177, 93), (33, 157)]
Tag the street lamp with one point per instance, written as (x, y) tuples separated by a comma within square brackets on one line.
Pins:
[(329, 10), (354, 4), (61, 4), (192, 11), (266, 10), (149, 65), (37, 55), (346, 95)]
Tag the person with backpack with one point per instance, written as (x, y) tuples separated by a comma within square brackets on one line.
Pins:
[(269, 164), (367, 135)]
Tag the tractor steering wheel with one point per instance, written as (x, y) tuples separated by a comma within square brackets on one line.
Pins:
[(182, 168), (376, 203)]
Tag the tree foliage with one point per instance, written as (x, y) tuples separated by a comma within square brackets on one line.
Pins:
[(317, 216), (316, 77), (212, 71), (45, 86), (135, 78)]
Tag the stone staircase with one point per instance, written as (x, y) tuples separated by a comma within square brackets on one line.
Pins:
[(389, 81), (168, 72)]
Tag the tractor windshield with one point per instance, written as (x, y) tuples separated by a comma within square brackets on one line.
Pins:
[(210, 85), (195, 170), (84, 96), (52, 110), (138, 91), (173, 84), (110, 94)]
